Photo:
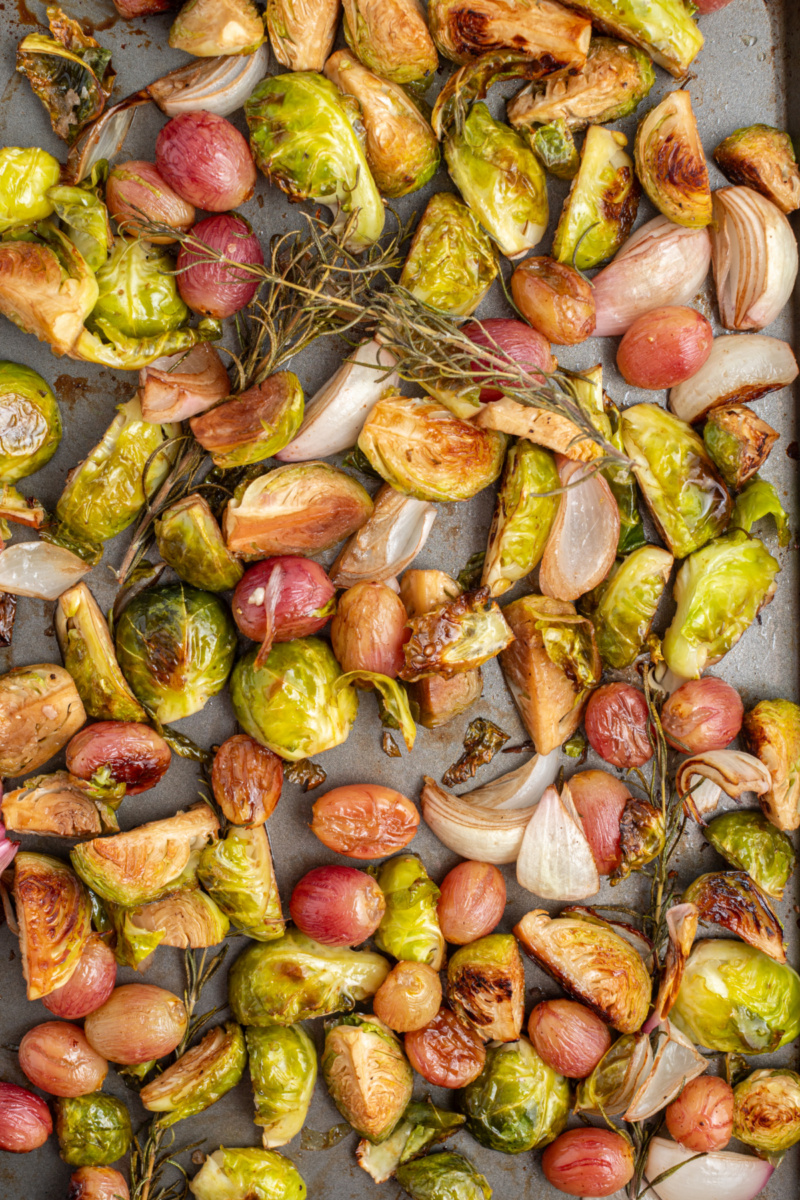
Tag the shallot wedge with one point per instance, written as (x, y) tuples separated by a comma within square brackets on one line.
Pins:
[(39, 569), (519, 788), (582, 545), (540, 426), (701, 778), (183, 385), (481, 834), (676, 1062), (391, 539), (555, 859), (104, 138), (755, 258), (681, 920), (217, 85), (741, 367), (720, 1173)]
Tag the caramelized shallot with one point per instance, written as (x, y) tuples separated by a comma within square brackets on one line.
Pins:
[(446, 1052), (25, 1121), (556, 300), (206, 160), (370, 629), (617, 722), (246, 779), (57, 1058), (338, 906), (568, 1036), (702, 714), (138, 1022), (589, 1162), (740, 368), (183, 385), (701, 1118), (471, 902), (364, 820), (409, 997)]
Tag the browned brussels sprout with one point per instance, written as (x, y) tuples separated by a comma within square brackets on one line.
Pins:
[(772, 732), (465, 29), (253, 426), (486, 986), (302, 33), (88, 653), (671, 164), (40, 710), (762, 158), (391, 38), (738, 442), (190, 541), (457, 637), (451, 263), (55, 921), (367, 1074)]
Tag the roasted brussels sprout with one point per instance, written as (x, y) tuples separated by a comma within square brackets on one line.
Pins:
[(486, 986), (401, 148), (550, 668), (762, 158), (671, 164), (735, 999), (686, 497), (138, 292), (207, 28), (664, 29), (443, 1176), (772, 732), (88, 654), (302, 34), (291, 704), (145, 863), (185, 918), (283, 1071), (93, 1130), (286, 115), (40, 710), (69, 71), (54, 918), (622, 607), (517, 1103), (719, 591), (522, 517), (758, 500), (501, 180), (451, 264), (255, 425), (642, 834), (462, 30), (601, 207), (456, 638), (176, 646), (190, 541), (62, 806), (423, 1125), (749, 841), (738, 442), (367, 1074), (247, 1174), (555, 148), (200, 1077), (409, 929), (27, 175), (30, 422), (766, 1112), (731, 899), (295, 978), (238, 873), (391, 38), (84, 219)]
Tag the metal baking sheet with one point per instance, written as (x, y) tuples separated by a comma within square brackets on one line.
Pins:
[(748, 72)]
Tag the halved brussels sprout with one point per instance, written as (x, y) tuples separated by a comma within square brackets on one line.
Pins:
[(409, 929), (501, 180), (766, 1112), (474, 80), (93, 1130), (555, 148), (133, 945), (147, 862), (283, 1071), (517, 1103), (671, 164), (762, 158), (422, 1126), (302, 32), (88, 653), (738, 442), (40, 709), (207, 28), (30, 422), (131, 354), (27, 174), (437, 700), (199, 1078), (522, 517), (46, 288), (55, 921), (486, 986), (731, 899), (601, 207), (176, 646), (419, 447), (664, 29), (85, 218), (749, 841), (771, 731), (295, 978), (247, 1174), (642, 834), (735, 999), (302, 138), (464, 29), (238, 873), (622, 607), (391, 38), (443, 1176), (254, 425), (451, 263), (138, 292), (291, 703), (686, 497), (60, 805), (458, 637), (759, 500), (190, 541), (185, 918), (719, 591), (367, 1074)]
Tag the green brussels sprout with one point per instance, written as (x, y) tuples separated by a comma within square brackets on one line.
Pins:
[(523, 516), (291, 703), (622, 482), (555, 148), (501, 180), (749, 841), (719, 591), (735, 999), (419, 447), (402, 151), (88, 654), (391, 39), (762, 158), (367, 1074), (456, 638), (622, 607), (131, 354), (238, 873), (93, 1130), (464, 29), (759, 500), (738, 442), (176, 646), (184, 918), (295, 978), (409, 929), (671, 164), (254, 425), (190, 541), (423, 1125), (486, 986), (199, 1078), (133, 944), (473, 81), (451, 263), (54, 919), (30, 422), (394, 703), (443, 1176), (86, 220), (766, 1112), (599, 211), (771, 731), (207, 28), (26, 176), (302, 138), (686, 497), (138, 292), (283, 1071), (517, 1103), (664, 29), (247, 1174)]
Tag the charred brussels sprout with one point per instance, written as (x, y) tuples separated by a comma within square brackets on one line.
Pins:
[(602, 204), (555, 147), (735, 999), (766, 1112), (443, 1176), (367, 1074), (40, 709), (302, 138), (517, 1103), (190, 541), (664, 29), (522, 517), (138, 292), (759, 500), (30, 422), (54, 918), (749, 841), (199, 1078), (731, 899), (409, 929), (176, 646), (27, 174), (295, 978), (291, 703), (686, 497), (642, 834), (772, 732), (207, 28), (238, 873), (183, 918), (456, 638), (302, 32), (622, 607), (738, 442), (671, 164), (283, 1071), (93, 1130), (88, 653), (762, 158), (451, 264), (61, 805), (254, 425), (486, 986), (85, 221), (247, 1174), (423, 1125), (501, 180), (391, 38), (465, 29), (719, 591)]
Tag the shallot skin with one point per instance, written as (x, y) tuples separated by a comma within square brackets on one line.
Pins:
[(664, 347), (57, 1058), (303, 605), (133, 753), (338, 906), (600, 799), (97, 1183), (137, 185), (556, 300), (471, 902), (89, 985), (206, 161), (701, 715), (616, 724), (588, 1162), (369, 630), (701, 1118), (25, 1121), (137, 1022), (212, 287), (446, 1052), (505, 335), (568, 1036), (409, 997)]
